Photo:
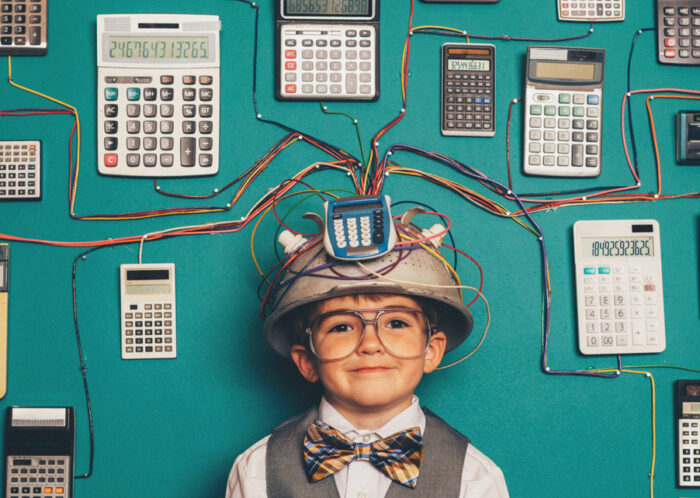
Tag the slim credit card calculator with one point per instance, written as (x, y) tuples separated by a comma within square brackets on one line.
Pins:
[(468, 87), (327, 50), (39, 452), (619, 287), (148, 327), (23, 27), (158, 95), (688, 433), (563, 111), (591, 10)]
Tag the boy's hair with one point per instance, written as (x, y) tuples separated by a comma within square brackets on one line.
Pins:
[(301, 317)]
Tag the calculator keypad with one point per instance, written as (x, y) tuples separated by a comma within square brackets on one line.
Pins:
[(689, 453), (20, 170), (678, 25), (591, 10), (38, 477), (468, 104), (622, 310), (148, 331), (359, 231), (158, 125), (23, 27), (320, 62), (563, 133)]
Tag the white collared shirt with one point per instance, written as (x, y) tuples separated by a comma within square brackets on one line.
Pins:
[(481, 478)]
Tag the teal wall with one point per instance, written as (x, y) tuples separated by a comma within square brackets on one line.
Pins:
[(173, 427)]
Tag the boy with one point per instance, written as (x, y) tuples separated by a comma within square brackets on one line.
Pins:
[(368, 340)]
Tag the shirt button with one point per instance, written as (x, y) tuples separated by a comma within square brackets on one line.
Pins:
[(366, 439)]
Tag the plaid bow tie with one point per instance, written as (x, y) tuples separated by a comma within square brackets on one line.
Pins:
[(327, 450)]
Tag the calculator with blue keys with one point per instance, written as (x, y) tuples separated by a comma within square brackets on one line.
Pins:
[(359, 227)]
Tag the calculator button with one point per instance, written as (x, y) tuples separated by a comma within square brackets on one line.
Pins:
[(111, 94), (133, 143), (187, 151), (167, 80), (150, 94), (111, 160)]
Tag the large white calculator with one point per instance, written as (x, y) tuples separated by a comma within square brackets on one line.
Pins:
[(619, 290), (563, 111), (158, 95), (148, 311), (327, 50)]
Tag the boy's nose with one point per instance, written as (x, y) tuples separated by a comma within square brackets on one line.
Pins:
[(370, 342)]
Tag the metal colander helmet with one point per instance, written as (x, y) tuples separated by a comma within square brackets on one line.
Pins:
[(315, 276)]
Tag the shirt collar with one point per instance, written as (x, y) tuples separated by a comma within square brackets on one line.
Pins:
[(412, 416)]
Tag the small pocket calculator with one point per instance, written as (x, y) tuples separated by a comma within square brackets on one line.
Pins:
[(20, 170), (158, 95), (619, 289), (148, 311), (468, 90), (688, 137), (688, 433), (591, 10), (23, 27), (563, 111), (39, 452), (359, 227), (327, 50), (678, 32)]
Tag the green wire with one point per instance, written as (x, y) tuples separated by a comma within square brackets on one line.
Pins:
[(325, 110)]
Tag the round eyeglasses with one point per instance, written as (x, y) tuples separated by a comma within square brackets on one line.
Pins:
[(404, 332)]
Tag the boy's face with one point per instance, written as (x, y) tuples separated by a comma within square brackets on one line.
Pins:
[(370, 379)]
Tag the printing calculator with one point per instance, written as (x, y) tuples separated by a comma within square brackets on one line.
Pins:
[(563, 111), (359, 227), (158, 95), (468, 87), (688, 433), (678, 32), (20, 170), (327, 50), (619, 287), (23, 27), (39, 452), (591, 10), (148, 327)]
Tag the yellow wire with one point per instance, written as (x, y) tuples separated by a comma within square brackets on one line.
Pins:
[(77, 120), (653, 418)]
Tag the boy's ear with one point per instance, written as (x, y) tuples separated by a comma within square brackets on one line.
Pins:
[(305, 362), (435, 352)]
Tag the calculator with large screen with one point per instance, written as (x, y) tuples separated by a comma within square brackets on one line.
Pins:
[(158, 95), (327, 50)]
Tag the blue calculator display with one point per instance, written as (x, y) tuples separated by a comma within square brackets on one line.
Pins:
[(359, 227)]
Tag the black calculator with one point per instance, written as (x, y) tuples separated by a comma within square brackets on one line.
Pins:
[(687, 433), (23, 25), (678, 32), (468, 90)]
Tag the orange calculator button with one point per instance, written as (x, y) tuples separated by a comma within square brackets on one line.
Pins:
[(290, 88), (48, 491), (59, 491), (111, 160), (290, 65)]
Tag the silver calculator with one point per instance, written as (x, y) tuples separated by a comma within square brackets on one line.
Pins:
[(158, 95), (23, 27), (591, 10), (20, 170), (563, 111), (327, 50)]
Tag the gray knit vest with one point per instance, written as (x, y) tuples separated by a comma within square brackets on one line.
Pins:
[(444, 450)]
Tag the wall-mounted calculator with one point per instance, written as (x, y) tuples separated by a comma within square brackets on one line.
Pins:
[(619, 289), (563, 111), (688, 433), (23, 27), (678, 32), (39, 452), (158, 95), (148, 327), (591, 10), (468, 87), (327, 50), (359, 227)]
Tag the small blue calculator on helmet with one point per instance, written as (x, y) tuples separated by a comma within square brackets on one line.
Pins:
[(359, 227)]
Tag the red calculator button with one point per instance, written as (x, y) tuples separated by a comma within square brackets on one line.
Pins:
[(669, 53), (111, 160), (670, 42), (290, 65), (290, 54), (290, 88)]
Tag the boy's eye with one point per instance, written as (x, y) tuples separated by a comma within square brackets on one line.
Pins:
[(340, 327), (396, 323)]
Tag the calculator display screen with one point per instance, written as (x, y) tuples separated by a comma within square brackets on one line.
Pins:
[(357, 207), (468, 65), (147, 290), (565, 71), (158, 47), (691, 408), (328, 7), (694, 131), (611, 247)]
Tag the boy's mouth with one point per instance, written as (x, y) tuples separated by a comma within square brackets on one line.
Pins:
[(370, 369)]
